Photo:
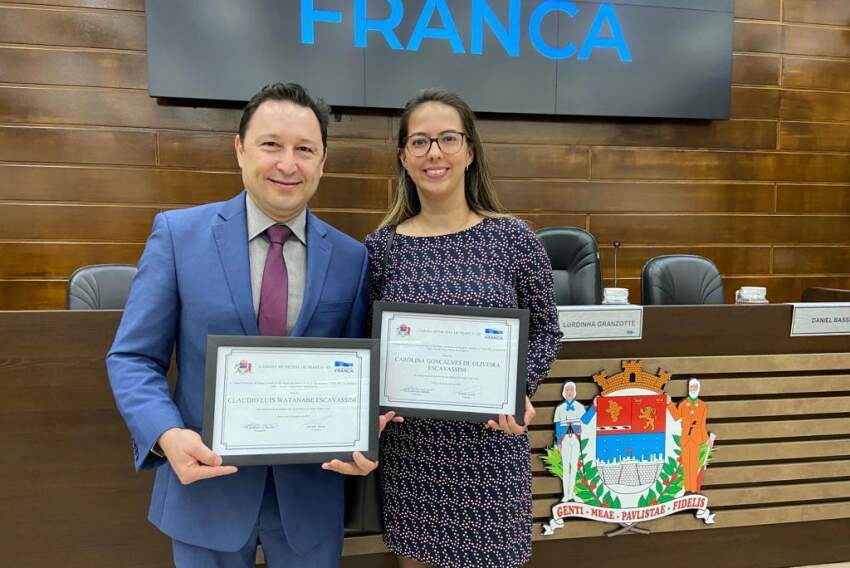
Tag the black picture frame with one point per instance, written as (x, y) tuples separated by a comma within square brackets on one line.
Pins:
[(214, 342), (522, 317)]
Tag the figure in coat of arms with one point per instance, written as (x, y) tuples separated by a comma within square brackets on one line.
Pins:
[(633, 455)]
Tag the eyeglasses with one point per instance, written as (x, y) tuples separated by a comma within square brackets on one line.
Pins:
[(449, 142)]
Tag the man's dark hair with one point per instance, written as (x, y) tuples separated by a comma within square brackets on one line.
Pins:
[(291, 92)]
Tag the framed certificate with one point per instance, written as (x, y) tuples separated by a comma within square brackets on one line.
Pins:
[(452, 362), (276, 400)]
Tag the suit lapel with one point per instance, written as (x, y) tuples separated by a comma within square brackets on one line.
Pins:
[(231, 238), (318, 259)]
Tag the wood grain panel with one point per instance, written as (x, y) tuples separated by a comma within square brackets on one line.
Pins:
[(130, 5), (360, 126), (832, 12), (811, 260), (813, 136), (785, 288), (32, 294), (27, 144), (360, 157), (729, 260), (750, 102), (358, 225), (207, 151), (751, 229), (757, 9), (59, 260), (587, 196), (66, 105), (660, 164), (757, 36), (115, 185), (814, 106), (826, 74), (510, 160), (352, 193), (755, 69), (542, 221), (77, 67), (813, 199), (70, 28), (603, 132), (805, 40), (76, 222)]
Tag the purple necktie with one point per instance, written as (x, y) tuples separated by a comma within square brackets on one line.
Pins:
[(274, 294)]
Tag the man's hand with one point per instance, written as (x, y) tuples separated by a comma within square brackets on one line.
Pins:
[(360, 465), (509, 425), (190, 459)]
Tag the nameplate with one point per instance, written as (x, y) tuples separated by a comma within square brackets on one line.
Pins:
[(600, 323), (823, 318)]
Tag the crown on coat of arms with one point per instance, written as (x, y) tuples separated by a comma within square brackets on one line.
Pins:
[(632, 376)]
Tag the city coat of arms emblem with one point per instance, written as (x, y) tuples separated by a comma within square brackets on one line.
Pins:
[(631, 455)]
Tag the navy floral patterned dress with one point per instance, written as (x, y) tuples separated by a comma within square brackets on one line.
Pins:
[(457, 494)]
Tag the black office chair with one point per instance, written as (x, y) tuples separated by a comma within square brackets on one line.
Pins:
[(100, 287), (575, 265), (680, 279)]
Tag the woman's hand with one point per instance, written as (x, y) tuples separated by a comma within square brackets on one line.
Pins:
[(508, 424), (385, 419)]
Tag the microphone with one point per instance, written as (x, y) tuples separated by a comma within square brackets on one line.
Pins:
[(616, 248)]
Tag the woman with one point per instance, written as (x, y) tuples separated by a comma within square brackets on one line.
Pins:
[(458, 494)]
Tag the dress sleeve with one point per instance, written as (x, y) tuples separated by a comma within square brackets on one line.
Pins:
[(536, 292), (375, 244)]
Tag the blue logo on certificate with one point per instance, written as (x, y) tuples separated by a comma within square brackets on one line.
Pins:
[(491, 333)]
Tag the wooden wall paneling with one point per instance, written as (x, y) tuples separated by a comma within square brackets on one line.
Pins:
[(755, 69), (757, 9), (194, 150), (32, 294), (694, 229), (813, 136), (813, 198), (360, 157), (107, 107), (811, 260), (729, 259), (606, 132), (358, 225), (756, 103), (76, 222), (757, 37), (130, 5), (71, 28), (628, 196), (541, 221), (80, 67), (806, 40), (512, 160), (351, 192), (115, 185), (807, 73), (39, 259), (831, 12), (609, 163), (79, 146), (815, 106)]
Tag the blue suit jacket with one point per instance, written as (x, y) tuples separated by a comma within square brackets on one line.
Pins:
[(194, 280)]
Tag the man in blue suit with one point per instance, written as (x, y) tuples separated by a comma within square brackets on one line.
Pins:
[(260, 263)]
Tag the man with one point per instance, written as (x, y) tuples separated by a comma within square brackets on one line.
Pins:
[(260, 263), (569, 416), (693, 413)]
